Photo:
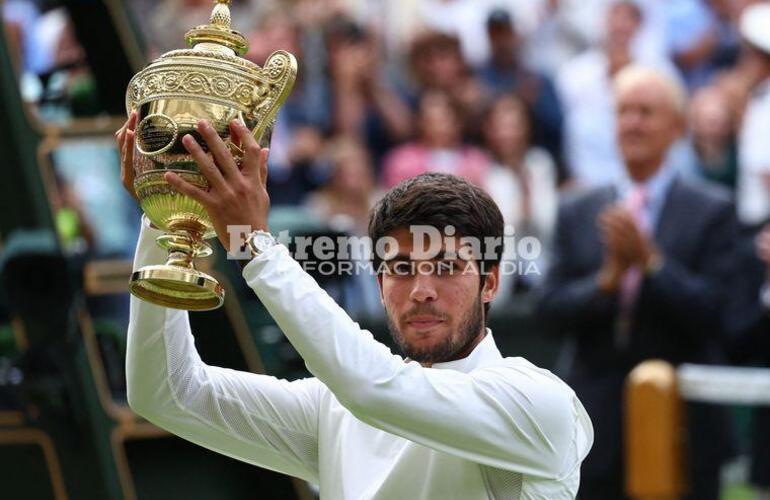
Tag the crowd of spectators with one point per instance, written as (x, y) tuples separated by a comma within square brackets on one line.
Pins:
[(662, 245)]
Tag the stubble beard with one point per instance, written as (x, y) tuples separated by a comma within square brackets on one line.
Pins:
[(449, 347)]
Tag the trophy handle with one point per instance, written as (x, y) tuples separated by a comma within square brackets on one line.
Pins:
[(280, 70)]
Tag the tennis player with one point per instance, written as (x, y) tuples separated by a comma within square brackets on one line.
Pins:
[(452, 420)]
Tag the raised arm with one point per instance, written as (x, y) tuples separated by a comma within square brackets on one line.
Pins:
[(512, 416), (255, 418)]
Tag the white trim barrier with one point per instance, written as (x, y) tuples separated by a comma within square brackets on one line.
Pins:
[(728, 385)]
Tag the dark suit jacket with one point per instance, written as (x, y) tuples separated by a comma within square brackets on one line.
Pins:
[(677, 314), (747, 322), (748, 340)]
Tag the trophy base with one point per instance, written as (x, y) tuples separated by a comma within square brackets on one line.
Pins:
[(177, 287)]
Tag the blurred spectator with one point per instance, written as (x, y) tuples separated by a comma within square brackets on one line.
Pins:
[(344, 201), (66, 87), (439, 147), (713, 137), (397, 23), (41, 25), (506, 72), (523, 183), (298, 134), (748, 324), (466, 19), (563, 29), (90, 171), (753, 192), (636, 274), (585, 89), (461, 18), (437, 64), (172, 19), (72, 226), (364, 105), (703, 38), (294, 169), (19, 18), (275, 28), (736, 83)]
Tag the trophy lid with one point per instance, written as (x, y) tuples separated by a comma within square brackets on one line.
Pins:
[(218, 32)]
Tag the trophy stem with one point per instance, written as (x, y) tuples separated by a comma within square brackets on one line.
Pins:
[(183, 247), (180, 259), (177, 283)]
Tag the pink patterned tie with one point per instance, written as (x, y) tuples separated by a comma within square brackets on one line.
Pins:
[(636, 203)]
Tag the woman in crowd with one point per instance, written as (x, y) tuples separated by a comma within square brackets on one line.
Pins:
[(344, 201), (522, 181), (439, 147)]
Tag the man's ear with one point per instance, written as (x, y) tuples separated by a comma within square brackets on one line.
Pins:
[(491, 284)]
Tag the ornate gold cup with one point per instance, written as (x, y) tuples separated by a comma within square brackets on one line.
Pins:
[(207, 81)]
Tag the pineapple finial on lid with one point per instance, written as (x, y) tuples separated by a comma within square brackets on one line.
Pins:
[(220, 16), (219, 31)]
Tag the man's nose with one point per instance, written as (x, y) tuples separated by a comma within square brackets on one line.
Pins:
[(423, 289), (630, 120)]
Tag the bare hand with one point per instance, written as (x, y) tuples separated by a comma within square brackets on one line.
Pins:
[(124, 138), (236, 196), (611, 273), (625, 239)]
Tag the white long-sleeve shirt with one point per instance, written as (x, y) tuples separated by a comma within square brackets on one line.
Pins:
[(370, 425)]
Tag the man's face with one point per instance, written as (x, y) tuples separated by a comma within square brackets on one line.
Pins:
[(434, 316), (507, 129), (503, 42), (439, 124), (648, 124), (622, 24), (443, 67)]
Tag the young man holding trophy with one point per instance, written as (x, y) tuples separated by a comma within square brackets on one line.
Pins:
[(454, 420)]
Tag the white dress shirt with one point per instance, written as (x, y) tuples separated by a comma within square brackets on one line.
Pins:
[(585, 91), (370, 425)]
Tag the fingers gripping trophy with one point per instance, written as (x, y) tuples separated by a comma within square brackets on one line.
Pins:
[(209, 81)]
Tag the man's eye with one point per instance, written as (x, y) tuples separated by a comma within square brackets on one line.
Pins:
[(448, 265), (398, 268)]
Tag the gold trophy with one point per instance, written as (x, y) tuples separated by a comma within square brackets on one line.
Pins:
[(207, 81)]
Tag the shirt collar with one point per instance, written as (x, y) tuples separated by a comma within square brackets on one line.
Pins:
[(656, 186), (485, 353)]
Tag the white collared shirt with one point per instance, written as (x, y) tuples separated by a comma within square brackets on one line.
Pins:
[(369, 426), (656, 187)]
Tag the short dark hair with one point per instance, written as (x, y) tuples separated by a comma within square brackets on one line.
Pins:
[(500, 18), (431, 42), (440, 200)]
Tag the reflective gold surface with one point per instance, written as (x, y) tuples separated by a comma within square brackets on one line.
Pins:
[(208, 81), (177, 287)]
